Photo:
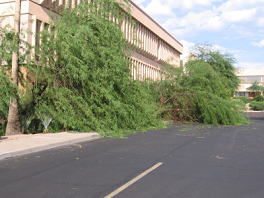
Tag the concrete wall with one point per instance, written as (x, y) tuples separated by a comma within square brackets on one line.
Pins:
[(157, 45)]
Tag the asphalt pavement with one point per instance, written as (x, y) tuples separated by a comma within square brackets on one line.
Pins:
[(184, 160)]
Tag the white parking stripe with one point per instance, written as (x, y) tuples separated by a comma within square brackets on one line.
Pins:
[(133, 181)]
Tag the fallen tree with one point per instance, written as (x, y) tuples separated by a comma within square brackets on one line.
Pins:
[(82, 75), (199, 92)]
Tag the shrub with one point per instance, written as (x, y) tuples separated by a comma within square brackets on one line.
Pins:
[(257, 106), (2, 129), (243, 98), (258, 98)]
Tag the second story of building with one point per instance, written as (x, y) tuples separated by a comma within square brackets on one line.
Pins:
[(156, 45), (249, 76)]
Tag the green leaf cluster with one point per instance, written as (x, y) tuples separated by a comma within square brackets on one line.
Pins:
[(256, 87), (82, 74), (243, 98), (222, 63), (7, 46), (257, 106), (199, 92)]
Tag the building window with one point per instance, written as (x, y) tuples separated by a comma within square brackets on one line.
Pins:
[(250, 78)]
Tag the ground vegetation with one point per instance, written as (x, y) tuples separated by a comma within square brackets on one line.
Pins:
[(257, 105)]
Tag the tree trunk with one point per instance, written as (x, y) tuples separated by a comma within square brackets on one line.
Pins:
[(13, 124)]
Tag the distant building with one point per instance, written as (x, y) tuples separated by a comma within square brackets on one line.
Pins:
[(157, 44), (247, 78)]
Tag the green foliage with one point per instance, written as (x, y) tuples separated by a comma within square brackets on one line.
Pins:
[(6, 87), (243, 98), (80, 75), (256, 87), (197, 92), (222, 63), (257, 106), (258, 98), (2, 129), (7, 46), (83, 73)]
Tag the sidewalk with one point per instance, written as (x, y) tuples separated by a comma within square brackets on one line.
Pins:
[(17, 145)]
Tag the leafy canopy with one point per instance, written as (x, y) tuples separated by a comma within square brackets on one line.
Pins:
[(222, 63), (199, 91), (7, 46), (82, 72), (256, 87)]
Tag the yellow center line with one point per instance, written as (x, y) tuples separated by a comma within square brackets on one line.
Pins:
[(133, 181)]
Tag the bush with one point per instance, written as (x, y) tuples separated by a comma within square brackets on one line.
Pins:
[(2, 129), (243, 98), (257, 106), (258, 98)]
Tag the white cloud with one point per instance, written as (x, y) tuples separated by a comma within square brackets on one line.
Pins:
[(182, 32), (198, 20), (260, 44), (186, 48), (250, 65), (215, 18), (191, 3), (194, 22), (139, 1), (220, 48), (239, 5), (213, 23), (157, 8), (164, 7), (238, 15)]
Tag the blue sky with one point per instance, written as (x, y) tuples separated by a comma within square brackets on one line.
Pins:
[(234, 26)]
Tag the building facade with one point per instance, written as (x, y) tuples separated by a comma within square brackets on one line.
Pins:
[(157, 45), (247, 77)]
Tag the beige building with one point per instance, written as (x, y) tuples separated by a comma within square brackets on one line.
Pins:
[(157, 44), (247, 77)]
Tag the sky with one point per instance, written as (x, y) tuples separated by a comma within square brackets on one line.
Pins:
[(231, 26)]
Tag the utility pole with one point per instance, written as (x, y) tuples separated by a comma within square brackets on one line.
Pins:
[(13, 124)]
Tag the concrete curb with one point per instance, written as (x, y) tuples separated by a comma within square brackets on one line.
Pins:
[(5, 155), (48, 146)]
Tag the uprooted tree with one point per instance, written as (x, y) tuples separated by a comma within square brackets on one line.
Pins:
[(82, 75), (200, 91)]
